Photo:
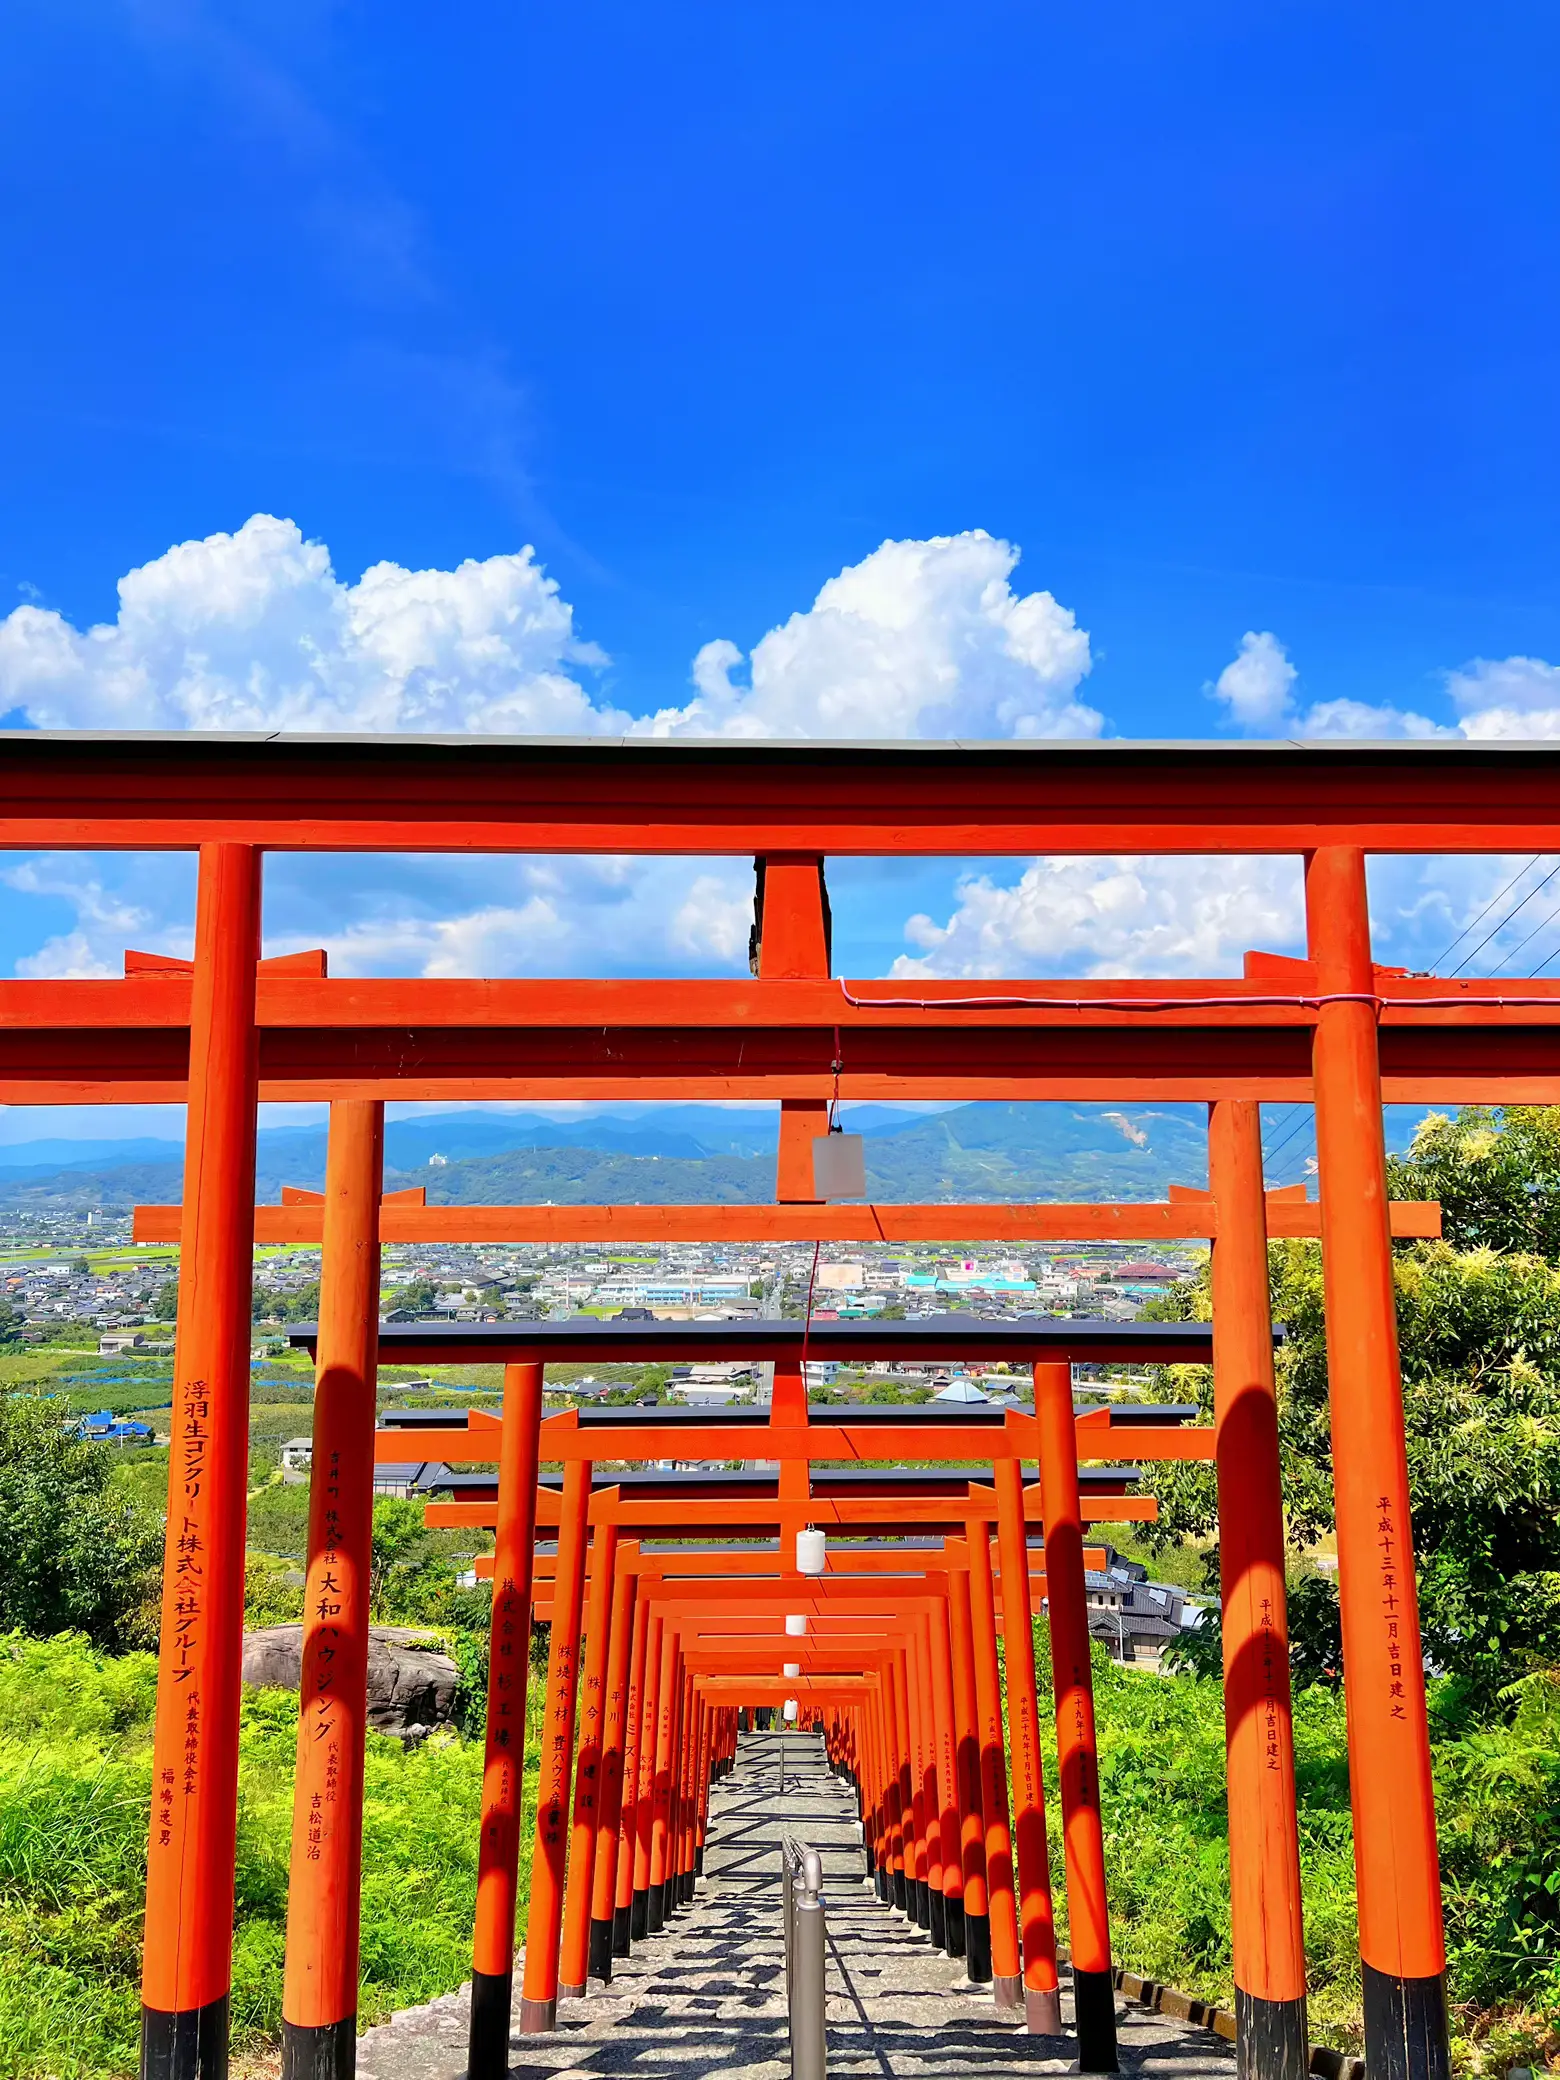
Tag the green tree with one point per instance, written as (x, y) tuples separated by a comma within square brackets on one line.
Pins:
[(77, 1553), (405, 1574), (1479, 1332), (1496, 1174), (12, 1322), (418, 1295), (165, 1302), (302, 1306)]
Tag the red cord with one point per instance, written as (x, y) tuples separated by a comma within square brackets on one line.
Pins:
[(1124, 1004)]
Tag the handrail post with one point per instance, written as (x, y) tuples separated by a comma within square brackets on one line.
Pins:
[(805, 1986)]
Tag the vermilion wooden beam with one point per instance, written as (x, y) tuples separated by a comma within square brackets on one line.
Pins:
[(761, 1689), (905, 1560), (757, 1516), (836, 1440), (704, 1661), (73, 790), (1104, 1432), (102, 1042), (297, 1001), (1188, 1217)]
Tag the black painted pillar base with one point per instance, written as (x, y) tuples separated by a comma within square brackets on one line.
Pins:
[(937, 1919), (319, 2051), (690, 1880), (570, 1993), (1405, 2027), (1094, 2016), (1008, 1989), (698, 1863), (622, 1931), (870, 1861), (953, 1922), (923, 1904), (599, 1964), (899, 1889), (885, 1890), (187, 2044), (977, 1948), (655, 1909), (487, 2053), (639, 1916), (1271, 2038)]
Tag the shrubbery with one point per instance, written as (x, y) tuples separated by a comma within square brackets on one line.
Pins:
[(76, 1550), (75, 1776), (1162, 1793)]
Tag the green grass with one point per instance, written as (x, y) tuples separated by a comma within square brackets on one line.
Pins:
[(1162, 1779), (75, 1773)]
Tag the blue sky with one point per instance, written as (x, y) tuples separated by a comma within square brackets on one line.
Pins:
[(1201, 362)]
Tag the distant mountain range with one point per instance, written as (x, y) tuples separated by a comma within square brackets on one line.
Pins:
[(687, 1155)]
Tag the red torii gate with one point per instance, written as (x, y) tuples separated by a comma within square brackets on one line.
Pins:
[(852, 1583), (1336, 1030), (795, 1441)]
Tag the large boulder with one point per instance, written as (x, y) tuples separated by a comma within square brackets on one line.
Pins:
[(411, 1681)]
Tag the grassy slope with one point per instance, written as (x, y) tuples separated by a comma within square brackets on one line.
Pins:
[(75, 1768), (1161, 1743), (74, 1780)]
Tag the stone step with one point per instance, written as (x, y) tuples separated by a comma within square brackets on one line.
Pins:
[(705, 1999)]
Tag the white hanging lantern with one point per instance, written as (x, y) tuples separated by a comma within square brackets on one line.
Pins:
[(790, 1668), (796, 1625), (790, 1711), (811, 1551)]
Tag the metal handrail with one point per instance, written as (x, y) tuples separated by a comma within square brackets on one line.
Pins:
[(801, 1879)]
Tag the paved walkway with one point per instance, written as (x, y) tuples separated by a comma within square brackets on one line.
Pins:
[(705, 1999)]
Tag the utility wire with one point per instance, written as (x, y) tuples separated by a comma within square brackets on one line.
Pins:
[(1447, 951), (1272, 1153), (1270, 1158), (1495, 930), (1542, 923)]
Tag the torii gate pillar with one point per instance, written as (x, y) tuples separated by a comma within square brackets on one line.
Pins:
[(320, 1987), (1265, 1913), (1402, 1944), (188, 1971)]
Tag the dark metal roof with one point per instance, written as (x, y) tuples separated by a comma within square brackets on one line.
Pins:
[(1030, 1337), (765, 1485), (671, 1416), (788, 751)]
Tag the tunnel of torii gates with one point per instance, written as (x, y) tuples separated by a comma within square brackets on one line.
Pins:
[(229, 1030)]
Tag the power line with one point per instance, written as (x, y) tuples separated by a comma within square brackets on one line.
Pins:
[(1553, 914), (1271, 1156), (1494, 932), (1304, 1113), (1489, 906)]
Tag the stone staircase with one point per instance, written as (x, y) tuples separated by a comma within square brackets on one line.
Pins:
[(705, 1999)]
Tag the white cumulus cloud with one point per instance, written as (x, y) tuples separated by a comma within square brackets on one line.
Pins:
[(254, 631), (1257, 685), (919, 639), (107, 921), (1489, 697), (1508, 697), (1111, 917)]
